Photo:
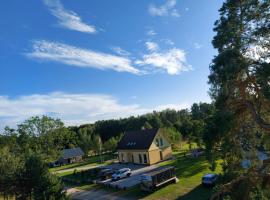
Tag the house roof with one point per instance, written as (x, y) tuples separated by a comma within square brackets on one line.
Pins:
[(71, 153), (137, 139)]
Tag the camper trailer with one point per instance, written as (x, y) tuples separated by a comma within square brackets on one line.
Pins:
[(158, 178)]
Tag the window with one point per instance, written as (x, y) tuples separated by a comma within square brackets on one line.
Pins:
[(144, 158), (140, 158), (157, 142), (161, 155), (161, 142)]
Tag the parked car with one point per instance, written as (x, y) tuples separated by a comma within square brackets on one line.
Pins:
[(106, 173), (158, 178), (54, 164), (209, 179), (121, 173)]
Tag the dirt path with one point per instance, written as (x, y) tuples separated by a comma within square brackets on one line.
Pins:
[(76, 168)]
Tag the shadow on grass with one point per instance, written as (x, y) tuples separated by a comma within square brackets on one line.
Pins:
[(187, 166), (81, 178), (198, 193), (190, 166)]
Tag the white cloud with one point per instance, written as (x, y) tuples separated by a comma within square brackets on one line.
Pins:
[(164, 10), (151, 33), (78, 57), (168, 41), (152, 46), (197, 45), (73, 109), (120, 51), (67, 18), (173, 61), (175, 13)]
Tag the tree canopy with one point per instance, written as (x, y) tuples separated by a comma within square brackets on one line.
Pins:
[(240, 86)]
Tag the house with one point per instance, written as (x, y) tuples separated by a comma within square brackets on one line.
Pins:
[(144, 147), (71, 156)]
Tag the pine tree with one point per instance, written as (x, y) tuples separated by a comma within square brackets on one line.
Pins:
[(240, 86)]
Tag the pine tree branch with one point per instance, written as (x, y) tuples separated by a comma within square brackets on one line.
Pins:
[(260, 121)]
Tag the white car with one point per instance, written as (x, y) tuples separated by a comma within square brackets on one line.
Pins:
[(121, 173)]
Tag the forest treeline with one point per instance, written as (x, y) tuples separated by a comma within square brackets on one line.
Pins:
[(49, 136)]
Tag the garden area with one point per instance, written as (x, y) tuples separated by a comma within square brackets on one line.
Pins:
[(90, 161), (82, 174)]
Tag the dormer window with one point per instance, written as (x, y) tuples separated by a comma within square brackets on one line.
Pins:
[(131, 143), (161, 142), (157, 142)]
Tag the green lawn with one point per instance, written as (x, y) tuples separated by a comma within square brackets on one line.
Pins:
[(189, 171)]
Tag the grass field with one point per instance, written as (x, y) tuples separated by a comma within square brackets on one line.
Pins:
[(189, 171)]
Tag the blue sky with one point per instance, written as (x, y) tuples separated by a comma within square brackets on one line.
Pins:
[(83, 60)]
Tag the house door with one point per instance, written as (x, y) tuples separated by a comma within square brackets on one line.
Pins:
[(140, 158), (130, 157), (161, 156)]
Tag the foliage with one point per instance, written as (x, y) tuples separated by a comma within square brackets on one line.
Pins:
[(173, 136), (9, 164), (27, 177), (240, 88), (36, 181)]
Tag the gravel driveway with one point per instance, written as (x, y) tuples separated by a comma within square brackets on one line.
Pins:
[(100, 194), (133, 180)]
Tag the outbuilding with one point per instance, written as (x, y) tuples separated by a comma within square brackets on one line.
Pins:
[(71, 156)]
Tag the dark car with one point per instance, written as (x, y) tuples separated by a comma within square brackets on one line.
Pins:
[(209, 179), (106, 173)]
